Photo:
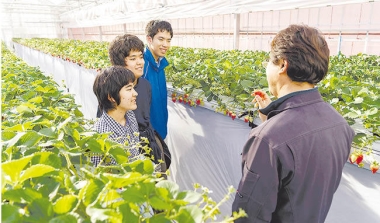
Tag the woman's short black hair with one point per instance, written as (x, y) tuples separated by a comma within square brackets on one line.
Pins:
[(108, 84)]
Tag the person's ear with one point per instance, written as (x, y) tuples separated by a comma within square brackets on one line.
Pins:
[(111, 99), (149, 39), (284, 66)]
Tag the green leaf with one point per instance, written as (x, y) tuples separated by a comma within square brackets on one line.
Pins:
[(129, 214), (334, 81), (36, 171), (47, 158), (372, 111), (41, 210), (227, 65), (358, 100), (119, 154), (21, 195), (96, 146), (18, 127), (65, 204), (37, 100), (189, 196), (28, 139), (170, 186), (189, 214), (92, 191), (159, 218), (352, 115), (103, 215), (24, 109), (133, 194), (7, 135), (75, 135), (118, 181), (49, 132), (247, 84), (334, 100), (110, 197), (263, 82), (160, 203), (243, 97), (64, 123), (144, 166), (13, 168), (67, 218), (10, 213)]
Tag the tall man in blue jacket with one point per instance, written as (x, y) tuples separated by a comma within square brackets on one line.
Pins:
[(292, 162), (158, 35)]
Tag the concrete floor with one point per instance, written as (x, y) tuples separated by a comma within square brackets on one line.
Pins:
[(357, 199)]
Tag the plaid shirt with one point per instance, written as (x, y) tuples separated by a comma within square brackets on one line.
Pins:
[(121, 134)]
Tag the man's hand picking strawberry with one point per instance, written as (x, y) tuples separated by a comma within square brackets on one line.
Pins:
[(262, 100)]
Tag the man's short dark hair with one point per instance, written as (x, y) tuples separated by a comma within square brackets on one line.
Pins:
[(121, 47), (155, 26), (108, 84), (306, 51)]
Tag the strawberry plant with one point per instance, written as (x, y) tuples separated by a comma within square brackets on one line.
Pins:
[(374, 167), (46, 173)]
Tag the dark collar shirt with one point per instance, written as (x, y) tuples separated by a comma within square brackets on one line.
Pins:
[(128, 135), (292, 163)]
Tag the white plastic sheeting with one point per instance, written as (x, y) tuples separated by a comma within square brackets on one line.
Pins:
[(69, 76), (86, 13), (118, 12)]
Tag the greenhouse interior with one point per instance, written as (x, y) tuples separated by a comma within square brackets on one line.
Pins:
[(53, 51)]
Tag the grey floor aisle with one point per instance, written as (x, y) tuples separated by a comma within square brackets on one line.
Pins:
[(357, 199), (206, 149)]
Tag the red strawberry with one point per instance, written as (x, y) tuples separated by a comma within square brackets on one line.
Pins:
[(174, 99), (233, 116), (180, 99), (230, 113), (359, 159), (259, 93), (186, 96), (173, 95), (374, 166), (198, 101), (189, 102), (226, 112), (246, 119)]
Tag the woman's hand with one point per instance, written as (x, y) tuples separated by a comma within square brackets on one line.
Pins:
[(262, 100)]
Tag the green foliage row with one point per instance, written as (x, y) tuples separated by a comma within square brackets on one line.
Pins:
[(352, 84), (46, 175), (90, 54), (228, 77)]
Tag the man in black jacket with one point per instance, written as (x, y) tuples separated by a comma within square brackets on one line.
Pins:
[(292, 162)]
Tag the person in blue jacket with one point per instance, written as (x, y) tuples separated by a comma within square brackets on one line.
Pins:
[(158, 35)]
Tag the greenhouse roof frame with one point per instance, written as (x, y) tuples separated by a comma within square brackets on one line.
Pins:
[(90, 13)]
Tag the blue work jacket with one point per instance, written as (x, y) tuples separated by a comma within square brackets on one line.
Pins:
[(154, 72)]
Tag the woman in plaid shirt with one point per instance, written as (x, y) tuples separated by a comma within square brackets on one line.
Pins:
[(116, 96)]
